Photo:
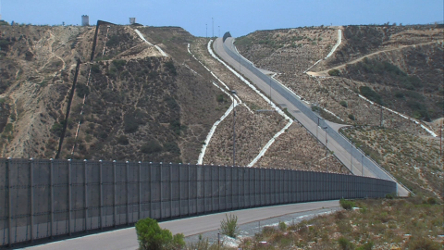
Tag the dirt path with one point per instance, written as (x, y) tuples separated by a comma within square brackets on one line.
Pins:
[(324, 73)]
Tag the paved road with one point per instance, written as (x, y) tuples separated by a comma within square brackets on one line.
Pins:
[(353, 164), (127, 239)]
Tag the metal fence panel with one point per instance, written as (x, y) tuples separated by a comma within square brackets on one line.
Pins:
[(57, 197)]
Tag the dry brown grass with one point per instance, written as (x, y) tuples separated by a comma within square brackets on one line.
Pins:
[(383, 223), (413, 160)]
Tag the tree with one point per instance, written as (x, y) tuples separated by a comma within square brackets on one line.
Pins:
[(151, 236)]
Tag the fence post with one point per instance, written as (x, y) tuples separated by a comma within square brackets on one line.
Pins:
[(197, 189), (151, 188), (114, 194), (127, 191), (218, 187), (140, 191), (31, 197), (8, 166), (51, 171), (189, 189), (161, 168), (171, 190), (179, 189), (85, 193), (69, 196), (101, 193)]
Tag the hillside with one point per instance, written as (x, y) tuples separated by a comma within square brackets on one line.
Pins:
[(389, 76), (150, 94), (140, 104)]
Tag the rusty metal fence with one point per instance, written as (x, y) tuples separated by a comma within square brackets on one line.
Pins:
[(45, 198)]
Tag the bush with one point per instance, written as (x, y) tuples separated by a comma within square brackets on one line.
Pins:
[(82, 90), (119, 64), (228, 226), (172, 147), (171, 68), (122, 140), (347, 204), (390, 196), (151, 147), (282, 226), (220, 98), (334, 72), (370, 94), (344, 104), (151, 236), (399, 95), (351, 117), (431, 201), (95, 68), (345, 244), (57, 129), (422, 243), (366, 246)]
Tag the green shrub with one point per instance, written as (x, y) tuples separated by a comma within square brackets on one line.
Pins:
[(220, 98), (119, 64), (399, 95), (343, 104), (334, 72), (172, 147), (57, 129), (431, 201), (315, 108), (351, 117), (345, 244), (390, 196), (151, 236), (113, 41), (346, 204), (95, 68), (228, 226), (171, 68), (82, 90), (422, 243), (366, 246), (282, 226), (370, 94), (122, 140), (178, 242), (151, 147)]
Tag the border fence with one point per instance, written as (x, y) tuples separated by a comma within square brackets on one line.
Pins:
[(46, 198), (358, 154)]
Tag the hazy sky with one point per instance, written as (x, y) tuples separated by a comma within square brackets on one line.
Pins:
[(240, 17)]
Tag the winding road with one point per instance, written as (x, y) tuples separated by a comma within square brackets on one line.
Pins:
[(353, 164)]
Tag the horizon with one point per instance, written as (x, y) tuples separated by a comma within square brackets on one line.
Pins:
[(206, 18)]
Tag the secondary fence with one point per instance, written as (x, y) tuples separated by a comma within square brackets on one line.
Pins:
[(45, 198), (346, 144)]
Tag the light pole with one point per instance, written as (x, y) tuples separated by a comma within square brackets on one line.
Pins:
[(362, 163), (219, 30), (206, 31)]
